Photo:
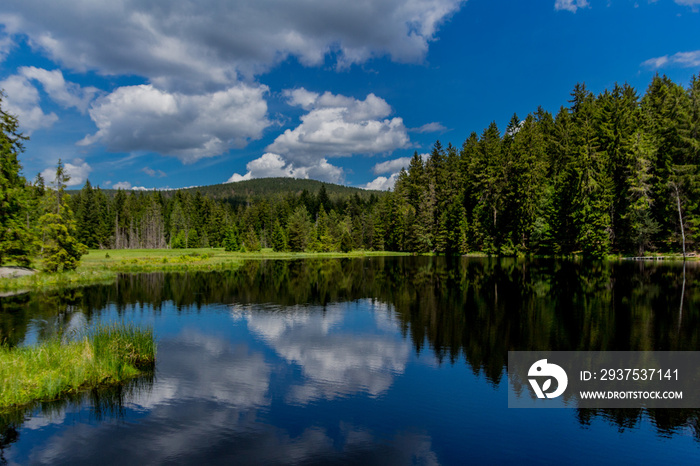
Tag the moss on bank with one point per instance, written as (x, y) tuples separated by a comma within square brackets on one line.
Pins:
[(107, 355)]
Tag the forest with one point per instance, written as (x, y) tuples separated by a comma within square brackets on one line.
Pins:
[(614, 173)]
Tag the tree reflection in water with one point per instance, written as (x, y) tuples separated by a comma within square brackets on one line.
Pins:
[(471, 309)]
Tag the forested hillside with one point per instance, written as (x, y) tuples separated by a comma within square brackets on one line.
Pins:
[(612, 173), (244, 192), (294, 220)]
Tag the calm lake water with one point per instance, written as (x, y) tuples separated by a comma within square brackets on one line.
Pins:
[(396, 360)]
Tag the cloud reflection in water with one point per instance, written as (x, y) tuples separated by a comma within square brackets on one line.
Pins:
[(336, 360)]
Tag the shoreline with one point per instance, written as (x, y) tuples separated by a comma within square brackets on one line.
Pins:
[(103, 265)]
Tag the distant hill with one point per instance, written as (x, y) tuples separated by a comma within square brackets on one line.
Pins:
[(260, 187), (241, 191)]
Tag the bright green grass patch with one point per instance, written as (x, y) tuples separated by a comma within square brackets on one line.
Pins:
[(44, 281), (123, 260), (107, 355)]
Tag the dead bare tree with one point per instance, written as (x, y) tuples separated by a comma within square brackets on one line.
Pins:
[(674, 185)]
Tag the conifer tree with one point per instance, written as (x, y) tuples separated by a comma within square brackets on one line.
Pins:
[(231, 240), (87, 216), (563, 173), (490, 183), (527, 183), (15, 236), (617, 121), (300, 227), (279, 239), (251, 242), (61, 249), (639, 181), (593, 194)]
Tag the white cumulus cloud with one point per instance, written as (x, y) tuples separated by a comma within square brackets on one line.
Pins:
[(189, 127), (122, 185), (125, 185), (23, 101), (78, 172), (391, 166), (64, 93), (6, 45), (204, 42), (274, 166), (334, 126), (337, 126), (381, 183)]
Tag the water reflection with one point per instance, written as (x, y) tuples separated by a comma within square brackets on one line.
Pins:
[(214, 394), (334, 362), (242, 351), (195, 366), (105, 403)]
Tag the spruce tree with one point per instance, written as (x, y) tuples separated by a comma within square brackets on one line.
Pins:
[(61, 249), (527, 182), (593, 192), (87, 216), (300, 227), (639, 182), (279, 239), (617, 121), (15, 236), (231, 241)]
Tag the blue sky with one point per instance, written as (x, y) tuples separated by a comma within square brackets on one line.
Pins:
[(168, 94)]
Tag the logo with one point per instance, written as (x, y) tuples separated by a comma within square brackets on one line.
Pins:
[(543, 369)]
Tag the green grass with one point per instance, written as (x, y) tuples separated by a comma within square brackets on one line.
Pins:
[(109, 354), (103, 265), (125, 260), (46, 281)]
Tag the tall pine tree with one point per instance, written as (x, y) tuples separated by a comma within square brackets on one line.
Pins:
[(15, 236)]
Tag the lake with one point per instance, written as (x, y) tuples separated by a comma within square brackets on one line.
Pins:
[(381, 360)]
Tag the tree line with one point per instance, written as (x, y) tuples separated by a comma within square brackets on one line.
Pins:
[(613, 173), (289, 221)]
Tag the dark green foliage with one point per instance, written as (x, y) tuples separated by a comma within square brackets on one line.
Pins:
[(61, 248), (345, 241), (251, 241), (638, 216), (279, 238), (231, 240), (609, 174), (299, 229), (15, 236), (179, 242)]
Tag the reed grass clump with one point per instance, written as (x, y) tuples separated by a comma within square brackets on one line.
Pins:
[(108, 354)]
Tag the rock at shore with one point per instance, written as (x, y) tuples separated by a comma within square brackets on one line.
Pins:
[(14, 272)]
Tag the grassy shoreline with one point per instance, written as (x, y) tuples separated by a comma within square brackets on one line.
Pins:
[(107, 355), (103, 265)]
